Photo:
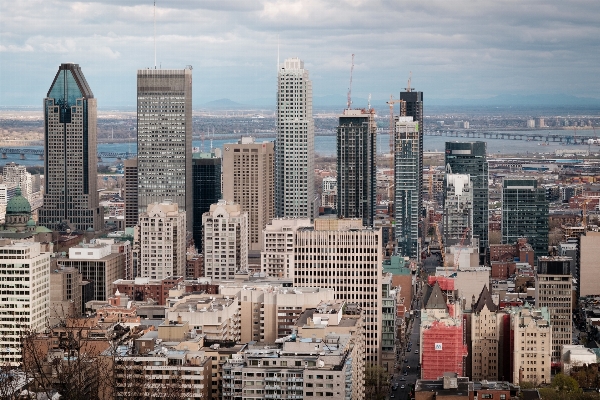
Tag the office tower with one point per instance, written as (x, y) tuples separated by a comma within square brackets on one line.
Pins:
[(554, 290), (23, 310), (589, 268), (525, 214), (295, 145), (70, 195), (471, 158), (458, 209), (356, 165), (164, 138), (225, 229), (206, 177), (132, 213), (162, 237), (531, 333), (16, 174), (414, 109), (248, 181), (406, 187), (277, 255), (342, 255)]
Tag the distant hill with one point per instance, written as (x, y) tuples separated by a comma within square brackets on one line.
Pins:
[(533, 100), (223, 104)]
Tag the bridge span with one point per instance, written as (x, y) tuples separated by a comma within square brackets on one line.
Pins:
[(567, 138), (24, 152)]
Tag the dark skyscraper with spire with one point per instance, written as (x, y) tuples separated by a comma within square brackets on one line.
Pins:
[(71, 196)]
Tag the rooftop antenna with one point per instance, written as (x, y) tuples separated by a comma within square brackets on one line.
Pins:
[(155, 34), (350, 88)]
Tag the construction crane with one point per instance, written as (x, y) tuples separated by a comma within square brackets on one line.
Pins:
[(350, 87), (462, 243), (392, 130)]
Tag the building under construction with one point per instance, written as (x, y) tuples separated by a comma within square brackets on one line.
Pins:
[(443, 340)]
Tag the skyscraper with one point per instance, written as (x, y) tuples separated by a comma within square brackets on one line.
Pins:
[(414, 109), (206, 177), (295, 145), (458, 209), (525, 214), (70, 196), (406, 186), (131, 192), (248, 181), (471, 158), (164, 138), (356, 158)]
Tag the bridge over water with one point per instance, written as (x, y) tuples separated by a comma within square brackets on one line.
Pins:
[(567, 138), (24, 152)]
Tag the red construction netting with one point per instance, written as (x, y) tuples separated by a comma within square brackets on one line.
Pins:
[(443, 350), (445, 283)]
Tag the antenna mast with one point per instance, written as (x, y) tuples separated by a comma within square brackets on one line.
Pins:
[(350, 88), (155, 34)]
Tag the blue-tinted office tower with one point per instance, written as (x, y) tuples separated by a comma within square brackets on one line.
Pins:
[(70, 196), (206, 180)]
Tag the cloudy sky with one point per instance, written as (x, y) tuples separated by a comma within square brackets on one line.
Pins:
[(468, 49)]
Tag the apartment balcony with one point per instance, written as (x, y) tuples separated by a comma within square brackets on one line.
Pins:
[(272, 387), (273, 379)]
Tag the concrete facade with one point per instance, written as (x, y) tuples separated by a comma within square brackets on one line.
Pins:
[(589, 267), (277, 255), (532, 340)]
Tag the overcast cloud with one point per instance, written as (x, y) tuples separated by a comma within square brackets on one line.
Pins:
[(455, 48)]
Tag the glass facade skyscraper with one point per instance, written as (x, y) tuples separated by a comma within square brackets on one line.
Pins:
[(71, 196), (206, 177)]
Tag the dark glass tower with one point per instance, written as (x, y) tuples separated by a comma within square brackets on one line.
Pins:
[(414, 109), (471, 158), (70, 198), (206, 179), (525, 214), (356, 153)]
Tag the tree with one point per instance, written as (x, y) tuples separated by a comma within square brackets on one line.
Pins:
[(565, 383), (377, 382)]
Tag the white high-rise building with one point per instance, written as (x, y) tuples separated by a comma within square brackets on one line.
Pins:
[(17, 174), (277, 255), (162, 237), (25, 305), (295, 145), (344, 256), (458, 209), (225, 230)]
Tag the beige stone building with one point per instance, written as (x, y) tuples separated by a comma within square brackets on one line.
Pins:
[(532, 345), (589, 267), (277, 255), (248, 180), (162, 238), (65, 295), (485, 338), (225, 232), (348, 260)]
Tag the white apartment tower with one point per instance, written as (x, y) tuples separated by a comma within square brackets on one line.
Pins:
[(277, 255), (164, 138), (344, 256), (458, 209), (225, 230), (162, 237), (294, 148), (248, 181), (25, 305)]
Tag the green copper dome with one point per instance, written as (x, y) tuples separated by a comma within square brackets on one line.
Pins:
[(18, 204), (31, 222)]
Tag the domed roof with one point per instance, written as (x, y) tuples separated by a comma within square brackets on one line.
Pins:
[(31, 222), (18, 204)]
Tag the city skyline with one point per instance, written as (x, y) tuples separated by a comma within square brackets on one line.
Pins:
[(454, 50)]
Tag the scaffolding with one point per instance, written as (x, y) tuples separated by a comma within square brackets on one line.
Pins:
[(443, 349), (446, 284)]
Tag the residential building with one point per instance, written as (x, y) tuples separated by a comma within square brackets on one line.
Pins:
[(406, 188), (130, 174), (329, 193), (97, 264), (344, 256), (164, 138), (225, 229), (532, 337), (248, 181), (145, 289), (308, 368), (485, 342), (458, 209), (162, 237), (206, 175), (295, 145), (65, 295), (453, 386), (589, 268), (413, 100), (389, 323), (356, 165), (70, 189), (32, 268), (470, 158), (554, 291), (277, 256), (525, 214)]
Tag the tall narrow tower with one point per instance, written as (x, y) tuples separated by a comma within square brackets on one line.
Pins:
[(164, 138), (414, 109), (295, 145), (356, 157), (70, 198)]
